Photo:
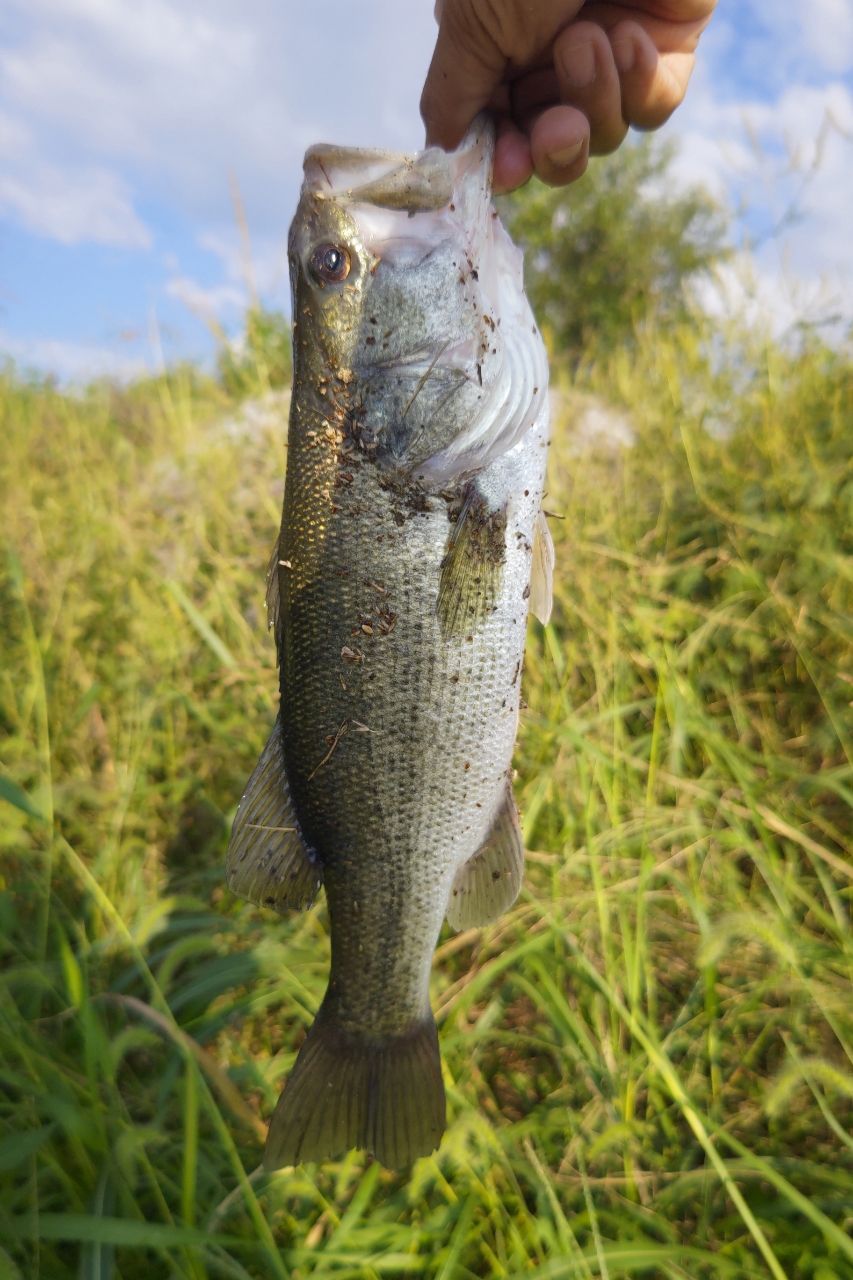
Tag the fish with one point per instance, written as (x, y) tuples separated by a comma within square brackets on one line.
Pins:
[(412, 545)]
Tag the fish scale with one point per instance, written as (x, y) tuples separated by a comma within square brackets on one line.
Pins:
[(399, 592)]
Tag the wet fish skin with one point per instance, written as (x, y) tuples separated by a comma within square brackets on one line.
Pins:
[(399, 588)]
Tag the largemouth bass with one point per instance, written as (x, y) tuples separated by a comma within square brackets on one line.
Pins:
[(412, 543)]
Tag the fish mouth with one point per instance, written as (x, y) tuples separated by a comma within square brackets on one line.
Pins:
[(397, 180), (424, 359), (419, 183)]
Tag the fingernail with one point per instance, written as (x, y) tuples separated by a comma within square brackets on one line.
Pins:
[(623, 55), (578, 64), (562, 159)]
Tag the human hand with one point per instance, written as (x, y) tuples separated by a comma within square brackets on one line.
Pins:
[(563, 78)]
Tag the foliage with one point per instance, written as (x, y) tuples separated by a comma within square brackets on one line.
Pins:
[(648, 1059), (261, 360), (614, 249)]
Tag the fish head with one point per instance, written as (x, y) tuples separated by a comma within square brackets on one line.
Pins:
[(330, 273), (377, 242), (403, 276)]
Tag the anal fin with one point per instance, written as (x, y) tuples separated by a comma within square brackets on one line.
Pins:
[(488, 883), (268, 861)]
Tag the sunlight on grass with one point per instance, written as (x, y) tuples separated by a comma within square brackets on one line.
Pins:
[(649, 1060)]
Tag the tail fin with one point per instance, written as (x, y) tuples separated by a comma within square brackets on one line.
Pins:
[(384, 1094)]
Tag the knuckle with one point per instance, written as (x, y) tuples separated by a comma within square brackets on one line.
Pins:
[(627, 29), (476, 24), (579, 34), (497, 26)]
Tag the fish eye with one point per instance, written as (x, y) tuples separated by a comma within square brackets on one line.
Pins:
[(330, 263)]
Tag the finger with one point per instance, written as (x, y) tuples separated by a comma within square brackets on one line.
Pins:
[(653, 83), (513, 160), (588, 79), (532, 94), (478, 40), (559, 145), (653, 52)]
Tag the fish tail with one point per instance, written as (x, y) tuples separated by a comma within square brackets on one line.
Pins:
[(347, 1089)]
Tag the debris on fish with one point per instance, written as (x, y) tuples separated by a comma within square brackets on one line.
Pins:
[(399, 590)]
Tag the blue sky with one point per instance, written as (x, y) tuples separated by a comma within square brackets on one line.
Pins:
[(125, 123)]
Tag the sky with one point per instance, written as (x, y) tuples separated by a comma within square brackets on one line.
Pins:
[(127, 127)]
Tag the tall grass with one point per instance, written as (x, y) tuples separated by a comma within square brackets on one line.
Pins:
[(649, 1060)]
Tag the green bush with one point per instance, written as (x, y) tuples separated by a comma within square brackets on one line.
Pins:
[(614, 250)]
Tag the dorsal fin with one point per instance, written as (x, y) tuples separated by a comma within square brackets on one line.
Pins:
[(488, 883), (268, 861)]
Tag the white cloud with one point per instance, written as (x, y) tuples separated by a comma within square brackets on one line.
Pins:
[(259, 265), (84, 205), (68, 203), (773, 300), (215, 306), (827, 29), (75, 362), (113, 107), (785, 167), (808, 37), (176, 94), (262, 272)]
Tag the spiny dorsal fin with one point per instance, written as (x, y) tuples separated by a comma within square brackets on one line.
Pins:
[(488, 883), (268, 861), (471, 568), (542, 572)]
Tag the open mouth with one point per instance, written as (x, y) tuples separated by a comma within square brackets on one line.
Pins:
[(437, 356)]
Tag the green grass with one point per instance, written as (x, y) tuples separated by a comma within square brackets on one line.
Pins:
[(649, 1059)]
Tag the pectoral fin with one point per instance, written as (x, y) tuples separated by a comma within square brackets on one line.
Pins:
[(488, 883), (268, 861), (472, 565), (542, 573)]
